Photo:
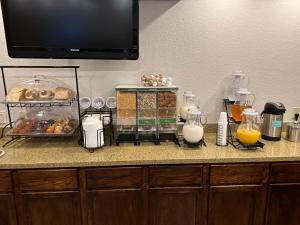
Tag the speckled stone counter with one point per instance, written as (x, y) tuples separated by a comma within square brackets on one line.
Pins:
[(54, 153)]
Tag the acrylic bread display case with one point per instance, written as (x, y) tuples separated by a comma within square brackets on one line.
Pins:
[(41, 106), (146, 114)]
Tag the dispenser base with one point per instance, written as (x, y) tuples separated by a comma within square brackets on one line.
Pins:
[(194, 145), (237, 144), (270, 138)]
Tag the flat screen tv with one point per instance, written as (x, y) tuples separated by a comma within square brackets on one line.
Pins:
[(82, 29)]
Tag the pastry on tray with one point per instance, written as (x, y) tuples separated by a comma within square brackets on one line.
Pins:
[(61, 127), (25, 126), (62, 93), (32, 94), (30, 126), (16, 94), (45, 94)]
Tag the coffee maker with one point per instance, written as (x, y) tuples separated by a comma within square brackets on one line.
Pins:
[(272, 121)]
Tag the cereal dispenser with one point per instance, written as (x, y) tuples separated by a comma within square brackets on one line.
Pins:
[(146, 114)]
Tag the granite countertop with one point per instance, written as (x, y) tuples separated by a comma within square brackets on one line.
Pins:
[(54, 153)]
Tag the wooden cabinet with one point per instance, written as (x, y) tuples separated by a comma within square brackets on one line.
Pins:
[(47, 180), (284, 204), (7, 204), (114, 196), (221, 194), (176, 195), (237, 195), (176, 206), (236, 205), (7, 210), (48, 197), (5, 181), (59, 208), (284, 194), (114, 207)]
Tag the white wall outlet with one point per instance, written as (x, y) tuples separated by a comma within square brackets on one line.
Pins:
[(2, 117)]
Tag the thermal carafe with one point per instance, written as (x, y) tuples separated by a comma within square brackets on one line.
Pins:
[(272, 121)]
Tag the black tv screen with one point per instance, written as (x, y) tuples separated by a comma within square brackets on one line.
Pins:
[(96, 29)]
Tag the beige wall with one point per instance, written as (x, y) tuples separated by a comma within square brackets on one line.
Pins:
[(199, 43)]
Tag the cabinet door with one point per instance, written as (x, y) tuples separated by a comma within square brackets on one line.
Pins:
[(176, 206), (114, 207), (284, 205), (57, 208), (237, 205), (7, 210)]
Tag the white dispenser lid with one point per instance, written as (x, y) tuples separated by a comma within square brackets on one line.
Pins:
[(250, 112), (187, 93), (194, 112), (243, 91), (238, 73)]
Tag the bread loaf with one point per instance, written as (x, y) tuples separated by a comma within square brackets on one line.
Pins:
[(62, 93)]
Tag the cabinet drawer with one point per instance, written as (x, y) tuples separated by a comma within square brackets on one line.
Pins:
[(126, 177), (47, 180), (5, 181), (176, 176), (285, 172), (238, 174)]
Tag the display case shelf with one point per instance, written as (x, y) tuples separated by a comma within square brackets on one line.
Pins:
[(10, 133), (46, 103)]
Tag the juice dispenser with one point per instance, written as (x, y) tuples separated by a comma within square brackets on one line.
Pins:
[(238, 80), (193, 128), (249, 132), (245, 100), (189, 103)]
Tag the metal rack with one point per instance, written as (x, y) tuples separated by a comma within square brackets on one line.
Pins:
[(195, 145), (106, 128), (25, 104), (231, 139)]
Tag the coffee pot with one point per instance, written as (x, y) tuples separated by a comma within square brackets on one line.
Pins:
[(272, 116)]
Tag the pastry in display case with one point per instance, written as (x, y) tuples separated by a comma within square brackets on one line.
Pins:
[(38, 90), (44, 122)]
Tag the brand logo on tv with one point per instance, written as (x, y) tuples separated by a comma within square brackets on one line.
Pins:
[(74, 50)]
